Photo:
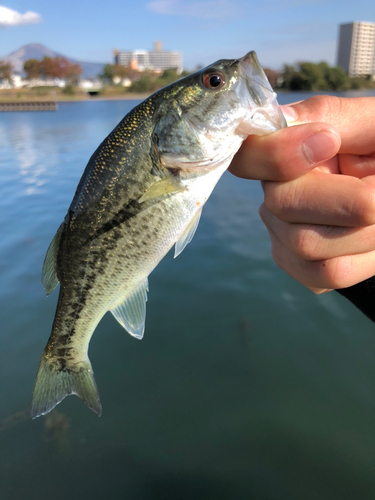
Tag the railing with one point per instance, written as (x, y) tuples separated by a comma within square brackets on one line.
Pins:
[(29, 106)]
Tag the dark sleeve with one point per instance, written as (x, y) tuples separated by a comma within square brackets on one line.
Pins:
[(363, 296)]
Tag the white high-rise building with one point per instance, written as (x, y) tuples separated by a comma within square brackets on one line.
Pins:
[(157, 59), (356, 50)]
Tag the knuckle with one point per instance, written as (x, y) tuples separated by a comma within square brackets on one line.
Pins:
[(306, 244), (327, 108), (336, 273), (271, 196), (280, 198), (364, 205)]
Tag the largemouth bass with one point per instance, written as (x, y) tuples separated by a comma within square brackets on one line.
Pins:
[(141, 193)]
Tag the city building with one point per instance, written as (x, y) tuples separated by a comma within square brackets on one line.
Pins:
[(356, 49), (156, 60)]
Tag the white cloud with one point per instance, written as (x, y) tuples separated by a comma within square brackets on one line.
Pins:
[(9, 17), (204, 10)]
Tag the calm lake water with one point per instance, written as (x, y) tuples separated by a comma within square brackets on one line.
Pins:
[(246, 385)]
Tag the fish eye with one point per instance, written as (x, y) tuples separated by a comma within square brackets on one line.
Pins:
[(213, 80)]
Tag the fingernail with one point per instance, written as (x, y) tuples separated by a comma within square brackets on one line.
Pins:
[(289, 113), (320, 146)]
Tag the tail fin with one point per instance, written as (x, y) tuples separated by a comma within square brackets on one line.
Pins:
[(53, 385)]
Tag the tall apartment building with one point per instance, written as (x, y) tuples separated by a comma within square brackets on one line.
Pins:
[(356, 50), (157, 60)]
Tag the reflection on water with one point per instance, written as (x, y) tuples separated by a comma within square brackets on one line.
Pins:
[(245, 385), (13, 420), (33, 157)]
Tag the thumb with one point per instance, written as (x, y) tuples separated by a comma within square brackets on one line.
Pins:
[(353, 118)]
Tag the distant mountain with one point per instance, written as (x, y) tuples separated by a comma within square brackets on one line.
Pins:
[(38, 51)]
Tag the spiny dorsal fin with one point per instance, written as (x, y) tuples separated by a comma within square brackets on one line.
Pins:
[(165, 186), (188, 234), (49, 271), (131, 312)]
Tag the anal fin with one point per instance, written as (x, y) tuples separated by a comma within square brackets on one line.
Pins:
[(131, 312), (188, 234)]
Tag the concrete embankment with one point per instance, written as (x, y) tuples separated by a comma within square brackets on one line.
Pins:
[(29, 106)]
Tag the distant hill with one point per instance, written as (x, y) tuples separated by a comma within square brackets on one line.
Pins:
[(38, 51)]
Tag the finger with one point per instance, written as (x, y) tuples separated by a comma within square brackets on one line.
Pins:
[(286, 154), (356, 165), (317, 242), (326, 274), (352, 117), (320, 198)]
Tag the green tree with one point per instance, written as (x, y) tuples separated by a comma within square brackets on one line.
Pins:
[(143, 84), (312, 76), (31, 68), (107, 74), (287, 75), (6, 70), (336, 78), (168, 76)]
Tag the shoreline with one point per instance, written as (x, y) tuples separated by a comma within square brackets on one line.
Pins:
[(61, 99), (7, 96)]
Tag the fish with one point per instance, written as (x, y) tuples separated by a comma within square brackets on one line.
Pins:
[(141, 193)]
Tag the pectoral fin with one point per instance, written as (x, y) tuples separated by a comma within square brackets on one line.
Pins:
[(165, 186), (49, 271), (188, 234), (131, 313)]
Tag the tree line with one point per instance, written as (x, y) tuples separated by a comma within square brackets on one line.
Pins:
[(307, 76), (140, 82), (304, 76), (47, 68), (6, 70), (52, 67)]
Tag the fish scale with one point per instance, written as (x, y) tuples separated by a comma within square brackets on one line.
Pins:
[(142, 192)]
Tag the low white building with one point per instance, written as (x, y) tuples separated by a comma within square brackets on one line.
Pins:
[(44, 82), (90, 84), (15, 82), (124, 82)]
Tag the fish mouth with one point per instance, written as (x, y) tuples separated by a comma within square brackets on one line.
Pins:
[(263, 112)]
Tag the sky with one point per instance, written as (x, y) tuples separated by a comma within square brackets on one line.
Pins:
[(280, 31)]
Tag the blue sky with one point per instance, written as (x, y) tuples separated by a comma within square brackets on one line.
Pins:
[(281, 31)]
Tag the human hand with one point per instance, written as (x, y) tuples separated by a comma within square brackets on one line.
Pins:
[(319, 186)]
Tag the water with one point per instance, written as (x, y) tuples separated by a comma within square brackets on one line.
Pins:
[(246, 385)]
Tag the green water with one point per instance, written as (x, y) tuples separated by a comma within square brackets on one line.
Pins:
[(246, 385)]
